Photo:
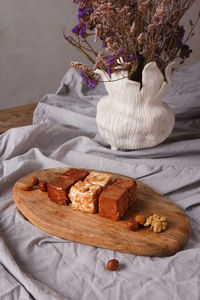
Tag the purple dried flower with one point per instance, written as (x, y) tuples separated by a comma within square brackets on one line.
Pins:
[(182, 32), (110, 63), (79, 29), (75, 29), (121, 51), (132, 57), (185, 51), (83, 13), (91, 82), (180, 37), (109, 70)]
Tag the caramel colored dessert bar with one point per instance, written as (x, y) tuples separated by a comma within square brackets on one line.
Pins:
[(84, 196), (58, 189), (113, 202), (99, 178), (77, 174), (130, 185)]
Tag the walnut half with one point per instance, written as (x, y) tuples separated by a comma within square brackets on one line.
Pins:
[(156, 223)]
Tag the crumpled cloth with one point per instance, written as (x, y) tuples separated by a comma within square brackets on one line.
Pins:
[(37, 265)]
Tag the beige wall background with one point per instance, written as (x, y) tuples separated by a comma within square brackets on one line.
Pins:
[(33, 53)]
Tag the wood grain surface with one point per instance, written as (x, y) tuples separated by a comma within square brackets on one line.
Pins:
[(16, 116), (91, 229)]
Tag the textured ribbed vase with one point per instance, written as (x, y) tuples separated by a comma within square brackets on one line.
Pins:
[(135, 117)]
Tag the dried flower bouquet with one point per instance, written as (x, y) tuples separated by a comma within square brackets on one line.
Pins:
[(132, 32)]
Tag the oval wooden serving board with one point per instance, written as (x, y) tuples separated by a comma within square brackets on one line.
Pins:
[(91, 229)]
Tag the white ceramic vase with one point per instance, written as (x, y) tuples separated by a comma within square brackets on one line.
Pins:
[(135, 117)]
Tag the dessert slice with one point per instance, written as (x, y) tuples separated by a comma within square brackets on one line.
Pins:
[(84, 196), (130, 185), (77, 174), (58, 189), (99, 178), (113, 202)]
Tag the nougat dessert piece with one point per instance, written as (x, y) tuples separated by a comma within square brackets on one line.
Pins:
[(113, 202), (84, 196), (99, 178), (130, 185), (58, 189), (78, 174)]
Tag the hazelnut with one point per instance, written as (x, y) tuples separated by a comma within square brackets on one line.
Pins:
[(132, 225), (42, 186), (26, 187), (140, 219), (34, 180), (112, 264)]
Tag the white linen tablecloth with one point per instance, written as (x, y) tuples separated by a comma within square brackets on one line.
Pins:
[(37, 265)]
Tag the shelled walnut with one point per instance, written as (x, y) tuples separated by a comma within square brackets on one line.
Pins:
[(156, 223)]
